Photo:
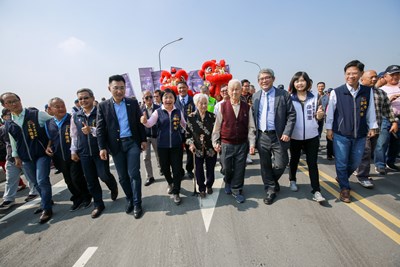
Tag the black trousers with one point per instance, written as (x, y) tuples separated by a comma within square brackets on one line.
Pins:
[(310, 147), (74, 178), (172, 158)]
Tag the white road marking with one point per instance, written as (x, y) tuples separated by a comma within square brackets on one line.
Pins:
[(57, 188), (207, 204), (85, 257)]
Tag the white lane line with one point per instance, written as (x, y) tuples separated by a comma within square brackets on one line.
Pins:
[(85, 257), (207, 204), (57, 188)]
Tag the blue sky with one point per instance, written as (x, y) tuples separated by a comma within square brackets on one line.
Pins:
[(52, 48)]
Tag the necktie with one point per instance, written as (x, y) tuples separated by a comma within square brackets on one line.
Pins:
[(266, 119), (183, 101)]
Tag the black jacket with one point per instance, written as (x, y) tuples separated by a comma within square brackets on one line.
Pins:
[(108, 127)]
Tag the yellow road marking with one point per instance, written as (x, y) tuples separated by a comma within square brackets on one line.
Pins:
[(371, 219)]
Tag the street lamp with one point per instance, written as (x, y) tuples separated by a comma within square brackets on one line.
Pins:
[(159, 53), (253, 63)]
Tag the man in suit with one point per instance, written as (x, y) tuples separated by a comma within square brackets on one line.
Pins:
[(275, 118), (119, 130), (185, 104)]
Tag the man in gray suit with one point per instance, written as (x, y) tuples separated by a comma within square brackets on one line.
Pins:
[(275, 118)]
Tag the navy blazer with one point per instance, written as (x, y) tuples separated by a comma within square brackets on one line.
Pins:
[(285, 113), (108, 127), (188, 108)]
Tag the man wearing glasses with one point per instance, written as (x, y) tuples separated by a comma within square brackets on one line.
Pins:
[(119, 131), (84, 147), (151, 135), (28, 142)]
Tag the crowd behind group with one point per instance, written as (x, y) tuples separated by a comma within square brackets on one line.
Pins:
[(360, 117)]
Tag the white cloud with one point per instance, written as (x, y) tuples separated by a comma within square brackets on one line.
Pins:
[(72, 45)]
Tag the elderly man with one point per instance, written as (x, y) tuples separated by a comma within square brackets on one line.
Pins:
[(233, 131), (275, 118), (383, 111), (350, 119), (389, 138), (151, 134)]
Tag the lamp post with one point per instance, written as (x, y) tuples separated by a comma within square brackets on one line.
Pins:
[(253, 63), (159, 53)]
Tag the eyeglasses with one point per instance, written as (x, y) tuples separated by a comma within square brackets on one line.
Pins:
[(148, 97), (83, 98), (13, 102)]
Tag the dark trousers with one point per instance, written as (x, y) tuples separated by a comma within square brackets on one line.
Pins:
[(268, 144), (189, 159), (199, 170), (329, 148), (93, 167), (234, 164), (320, 127), (172, 158), (74, 178), (310, 147), (364, 168), (127, 163)]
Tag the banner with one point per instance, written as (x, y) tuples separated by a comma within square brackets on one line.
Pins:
[(156, 75), (146, 79), (194, 81), (128, 85)]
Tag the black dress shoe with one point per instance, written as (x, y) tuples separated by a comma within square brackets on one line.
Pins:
[(137, 211), (46, 216), (114, 194), (269, 198), (149, 181), (129, 207), (97, 212)]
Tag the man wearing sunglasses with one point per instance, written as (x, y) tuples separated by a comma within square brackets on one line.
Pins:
[(119, 131), (151, 134), (84, 147)]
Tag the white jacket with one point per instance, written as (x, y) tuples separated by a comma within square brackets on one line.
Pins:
[(306, 126)]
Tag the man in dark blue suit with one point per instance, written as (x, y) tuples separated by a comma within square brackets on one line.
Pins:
[(185, 104), (275, 117), (119, 130)]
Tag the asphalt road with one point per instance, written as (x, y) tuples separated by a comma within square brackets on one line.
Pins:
[(294, 231)]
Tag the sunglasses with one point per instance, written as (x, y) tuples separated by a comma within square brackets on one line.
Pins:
[(83, 98), (148, 97)]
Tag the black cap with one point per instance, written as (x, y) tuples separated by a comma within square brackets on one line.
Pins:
[(392, 69)]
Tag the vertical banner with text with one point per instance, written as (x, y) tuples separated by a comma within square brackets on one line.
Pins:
[(194, 81), (156, 75), (146, 79), (128, 85)]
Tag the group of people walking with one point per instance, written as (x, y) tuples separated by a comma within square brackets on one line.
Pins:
[(271, 120)]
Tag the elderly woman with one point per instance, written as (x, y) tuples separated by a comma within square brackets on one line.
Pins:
[(198, 136)]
